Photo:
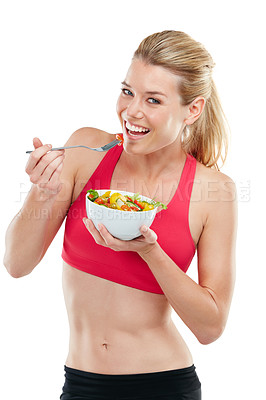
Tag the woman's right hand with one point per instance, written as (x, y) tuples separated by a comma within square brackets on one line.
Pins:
[(44, 168)]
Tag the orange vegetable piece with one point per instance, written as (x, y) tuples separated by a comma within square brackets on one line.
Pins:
[(120, 137)]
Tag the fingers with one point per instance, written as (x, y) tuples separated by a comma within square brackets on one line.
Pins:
[(107, 237), (37, 143), (142, 244), (94, 232), (104, 238), (149, 235), (49, 171), (55, 176), (43, 163), (35, 157), (44, 168), (53, 186)]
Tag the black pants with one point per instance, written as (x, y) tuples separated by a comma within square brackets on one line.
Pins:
[(177, 384)]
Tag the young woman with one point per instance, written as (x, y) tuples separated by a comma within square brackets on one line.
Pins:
[(120, 294)]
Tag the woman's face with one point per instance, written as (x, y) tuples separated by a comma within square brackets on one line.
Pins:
[(149, 108)]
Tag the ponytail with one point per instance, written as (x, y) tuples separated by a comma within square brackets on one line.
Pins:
[(207, 138)]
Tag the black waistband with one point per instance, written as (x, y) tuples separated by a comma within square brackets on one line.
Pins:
[(178, 381)]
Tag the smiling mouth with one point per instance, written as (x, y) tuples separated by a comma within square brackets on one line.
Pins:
[(134, 130)]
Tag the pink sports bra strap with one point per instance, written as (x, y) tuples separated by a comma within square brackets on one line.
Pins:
[(187, 179)]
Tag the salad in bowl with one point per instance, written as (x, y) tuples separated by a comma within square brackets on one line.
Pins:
[(122, 213)]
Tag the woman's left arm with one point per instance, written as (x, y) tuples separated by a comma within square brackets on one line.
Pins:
[(204, 307)]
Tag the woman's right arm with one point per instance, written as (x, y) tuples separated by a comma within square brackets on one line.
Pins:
[(34, 227)]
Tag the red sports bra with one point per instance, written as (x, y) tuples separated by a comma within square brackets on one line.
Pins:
[(127, 267)]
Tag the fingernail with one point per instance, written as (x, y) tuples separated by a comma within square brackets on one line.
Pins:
[(144, 228), (49, 145), (100, 226)]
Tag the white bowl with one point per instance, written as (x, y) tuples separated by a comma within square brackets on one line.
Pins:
[(123, 225)]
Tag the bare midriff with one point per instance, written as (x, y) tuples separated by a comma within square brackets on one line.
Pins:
[(116, 329)]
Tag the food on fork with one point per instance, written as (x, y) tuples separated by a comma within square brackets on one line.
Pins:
[(120, 137)]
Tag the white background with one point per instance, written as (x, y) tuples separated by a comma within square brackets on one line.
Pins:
[(61, 67)]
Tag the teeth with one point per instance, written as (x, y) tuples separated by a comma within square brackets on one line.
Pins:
[(134, 128), (132, 134)]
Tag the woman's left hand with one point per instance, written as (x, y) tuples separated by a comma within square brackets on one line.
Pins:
[(142, 244)]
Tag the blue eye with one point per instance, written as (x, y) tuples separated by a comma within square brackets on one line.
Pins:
[(153, 101), (127, 92)]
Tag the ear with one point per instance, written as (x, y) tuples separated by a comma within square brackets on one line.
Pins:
[(194, 110)]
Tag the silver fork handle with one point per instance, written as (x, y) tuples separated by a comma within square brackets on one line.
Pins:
[(102, 148), (115, 142), (60, 148), (70, 147)]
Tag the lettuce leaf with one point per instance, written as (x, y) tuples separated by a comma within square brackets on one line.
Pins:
[(94, 194)]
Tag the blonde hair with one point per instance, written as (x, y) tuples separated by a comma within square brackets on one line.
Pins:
[(176, 51)]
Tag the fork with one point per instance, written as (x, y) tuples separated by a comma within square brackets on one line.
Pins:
[(106, 147)]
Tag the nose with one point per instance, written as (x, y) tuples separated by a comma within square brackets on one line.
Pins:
[(134, 109)]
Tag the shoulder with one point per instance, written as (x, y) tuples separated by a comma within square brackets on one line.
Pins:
[(92, 137), (215, 185), (214, 194)]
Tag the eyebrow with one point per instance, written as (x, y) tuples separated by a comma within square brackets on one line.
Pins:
[(148, 92)]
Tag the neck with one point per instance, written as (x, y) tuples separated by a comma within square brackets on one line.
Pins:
[(157, 164)]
